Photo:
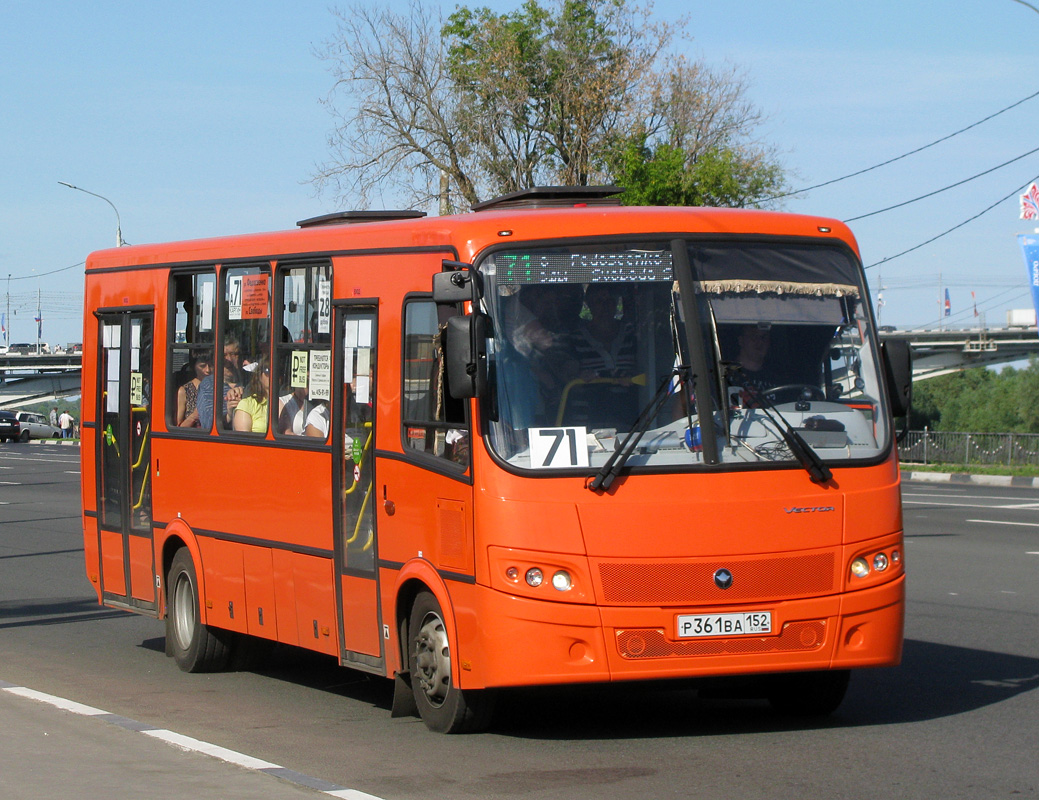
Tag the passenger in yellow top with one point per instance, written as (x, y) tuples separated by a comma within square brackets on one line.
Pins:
[(252, 410)]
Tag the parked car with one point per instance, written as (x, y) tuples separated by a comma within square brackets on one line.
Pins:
[(35, 426), (10, 427)]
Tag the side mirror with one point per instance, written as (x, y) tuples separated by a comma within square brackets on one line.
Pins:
[(465, 354), (452, 287), (459, 283), (898, 371)]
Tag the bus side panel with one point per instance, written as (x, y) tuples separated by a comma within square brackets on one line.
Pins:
[(360, 615), (285, 597), (314, 585), (91, 556), (142, 568), (259, 592), (112, 562), (224, 584)]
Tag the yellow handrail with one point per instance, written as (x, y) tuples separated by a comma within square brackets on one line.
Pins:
[(637, 380)]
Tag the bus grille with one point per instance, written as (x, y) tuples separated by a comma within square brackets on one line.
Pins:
[(651, 642), (687, 583)]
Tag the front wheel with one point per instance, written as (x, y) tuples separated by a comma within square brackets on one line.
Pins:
[(442, 705), (194, 646), (808, 694)]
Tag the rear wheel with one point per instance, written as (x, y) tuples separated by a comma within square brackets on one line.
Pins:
[(194, 646), (24, 437), (442, 705), (808, 694)]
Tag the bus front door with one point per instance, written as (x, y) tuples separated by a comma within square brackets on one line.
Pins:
[(356, 544), (124, 460)]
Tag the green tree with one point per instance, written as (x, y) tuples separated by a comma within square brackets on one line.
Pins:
[(979, 401), (577, 92)]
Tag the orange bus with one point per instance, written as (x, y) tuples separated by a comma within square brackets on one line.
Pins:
[(552, 441)]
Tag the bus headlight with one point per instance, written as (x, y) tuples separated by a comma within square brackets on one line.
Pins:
[(535, 577), (880, 562), (561, 581), (860, 567)]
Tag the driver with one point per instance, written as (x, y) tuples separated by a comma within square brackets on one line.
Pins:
[(754, 342)]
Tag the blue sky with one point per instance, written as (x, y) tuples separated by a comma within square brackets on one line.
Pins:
[(199, 119)]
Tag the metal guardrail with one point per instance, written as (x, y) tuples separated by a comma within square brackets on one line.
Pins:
[(945, 447)]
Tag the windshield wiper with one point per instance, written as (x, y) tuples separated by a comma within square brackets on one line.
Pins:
[(615, 463), (799, 448)]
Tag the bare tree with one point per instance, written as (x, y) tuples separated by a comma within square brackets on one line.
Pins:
[(395, 108)]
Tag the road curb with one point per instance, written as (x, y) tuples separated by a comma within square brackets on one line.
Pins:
[(962, 477)]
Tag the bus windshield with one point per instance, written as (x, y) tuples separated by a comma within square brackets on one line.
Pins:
[(592, 340)]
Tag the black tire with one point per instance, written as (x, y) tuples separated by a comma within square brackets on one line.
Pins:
[(808, 694), (194, 646), (442, 705), (24, 437)]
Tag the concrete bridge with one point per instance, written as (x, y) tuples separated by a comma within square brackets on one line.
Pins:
[(27, 379), (939, 352)]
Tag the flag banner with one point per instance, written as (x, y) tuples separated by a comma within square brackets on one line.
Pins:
[(948, 305), (1030, 203), (1030, 249)]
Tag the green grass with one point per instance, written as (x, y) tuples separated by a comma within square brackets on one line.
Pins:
[(974, 469)]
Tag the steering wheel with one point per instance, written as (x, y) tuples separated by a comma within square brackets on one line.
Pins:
[(797, 391)]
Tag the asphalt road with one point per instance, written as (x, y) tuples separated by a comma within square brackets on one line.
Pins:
[(959, 718)]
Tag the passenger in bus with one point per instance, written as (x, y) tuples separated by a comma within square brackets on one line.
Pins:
[(232, 395), (292, 412), (542, 320), (318, 421), (605, 343), (251, 412), (187, 395)]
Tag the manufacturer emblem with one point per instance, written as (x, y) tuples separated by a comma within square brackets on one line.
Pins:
[(723, 578)]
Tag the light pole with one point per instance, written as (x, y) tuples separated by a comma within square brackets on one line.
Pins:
[(118, 226)]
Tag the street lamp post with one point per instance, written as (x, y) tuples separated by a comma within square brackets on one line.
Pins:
[(118, 225)]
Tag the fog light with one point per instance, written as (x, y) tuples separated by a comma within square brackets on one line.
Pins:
[(860, 568), (561, 581), (880, 562), (535, 577), (512, 574)]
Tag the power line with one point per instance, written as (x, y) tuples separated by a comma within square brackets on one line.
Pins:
[(955, 227), (44, 274), (904, 155), (943, 189)]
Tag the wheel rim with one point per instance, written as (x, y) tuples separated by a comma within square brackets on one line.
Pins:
[(433, 659), (183, 611)]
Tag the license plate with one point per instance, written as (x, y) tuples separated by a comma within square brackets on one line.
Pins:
[(745, 623)]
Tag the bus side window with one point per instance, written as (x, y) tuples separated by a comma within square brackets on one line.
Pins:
[(303, 362), (433, 421), (245, 312), (190, 360)]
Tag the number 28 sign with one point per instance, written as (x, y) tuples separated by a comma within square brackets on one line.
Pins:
[(558, 448)]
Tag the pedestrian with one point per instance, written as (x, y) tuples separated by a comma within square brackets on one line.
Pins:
[(65, 422), (54, 416)]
